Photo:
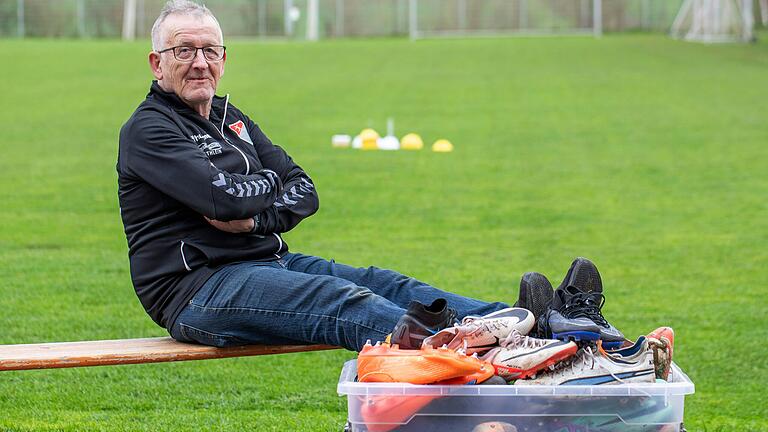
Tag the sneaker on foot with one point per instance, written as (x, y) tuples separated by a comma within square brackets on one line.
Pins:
[(421, 321), (590, 368), (522, 356), (480, 334)]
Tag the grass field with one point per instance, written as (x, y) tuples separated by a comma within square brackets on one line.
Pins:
[(648, 155)]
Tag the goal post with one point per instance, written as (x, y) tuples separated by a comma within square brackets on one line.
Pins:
[(129, 20), (492, 18)]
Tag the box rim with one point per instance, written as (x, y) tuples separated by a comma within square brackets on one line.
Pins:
[(348, 387)]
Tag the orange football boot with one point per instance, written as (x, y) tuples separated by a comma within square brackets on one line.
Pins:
[(384, 413), (388, 363), (475, 378)]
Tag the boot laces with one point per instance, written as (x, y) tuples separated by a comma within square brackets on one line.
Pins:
[(586, 305), (518, 340), (587, 359), (490, 324)]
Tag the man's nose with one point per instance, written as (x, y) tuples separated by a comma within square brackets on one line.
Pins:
[(199, 61)]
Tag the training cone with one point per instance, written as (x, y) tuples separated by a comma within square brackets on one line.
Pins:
[(411, 141), (389, 142), (442, 146), (369, 139), (341, 141)]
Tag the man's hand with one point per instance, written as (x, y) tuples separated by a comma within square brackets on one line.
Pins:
[(233, 226)]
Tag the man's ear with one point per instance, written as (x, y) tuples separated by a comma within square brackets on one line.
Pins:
[(223, 63), (154, 64)]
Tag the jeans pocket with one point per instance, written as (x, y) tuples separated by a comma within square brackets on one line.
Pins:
[(193, 334)]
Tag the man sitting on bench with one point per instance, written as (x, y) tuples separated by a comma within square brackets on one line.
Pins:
[(204, 197)]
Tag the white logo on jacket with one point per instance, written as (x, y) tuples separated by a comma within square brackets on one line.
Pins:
[(207, 144)]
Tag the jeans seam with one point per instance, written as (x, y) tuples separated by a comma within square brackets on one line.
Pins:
[(267, 311), (210, 334)]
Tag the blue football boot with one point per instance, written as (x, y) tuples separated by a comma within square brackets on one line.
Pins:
[(577, 316), (576, 310), (567, 318)]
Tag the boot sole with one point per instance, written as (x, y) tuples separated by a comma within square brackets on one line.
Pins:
[(583, 336), (577, 336)]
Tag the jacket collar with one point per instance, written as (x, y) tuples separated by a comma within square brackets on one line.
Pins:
[(177, 104)]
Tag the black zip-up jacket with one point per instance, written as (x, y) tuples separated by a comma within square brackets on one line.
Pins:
[(175, 168)]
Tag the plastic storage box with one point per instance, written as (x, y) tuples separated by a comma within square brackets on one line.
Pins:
[(383, 407)]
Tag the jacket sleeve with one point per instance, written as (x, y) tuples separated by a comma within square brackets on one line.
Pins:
[(160, 154), (298, 199)]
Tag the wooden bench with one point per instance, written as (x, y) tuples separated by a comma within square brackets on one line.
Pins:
[(128, 351)]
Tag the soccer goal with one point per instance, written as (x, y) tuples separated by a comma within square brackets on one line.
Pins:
[(713, 21), (466, 18)]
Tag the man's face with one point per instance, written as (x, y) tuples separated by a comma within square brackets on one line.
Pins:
[(194, 82)]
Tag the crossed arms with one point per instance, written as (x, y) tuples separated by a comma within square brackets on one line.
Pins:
[(273, 199)]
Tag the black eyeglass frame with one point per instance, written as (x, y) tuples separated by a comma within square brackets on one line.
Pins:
[(194, 56)]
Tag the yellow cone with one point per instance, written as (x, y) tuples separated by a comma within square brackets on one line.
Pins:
[(442, 146), (369, 138), (411, 141)]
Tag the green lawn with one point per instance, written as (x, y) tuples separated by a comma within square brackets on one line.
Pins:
[(648, 155)]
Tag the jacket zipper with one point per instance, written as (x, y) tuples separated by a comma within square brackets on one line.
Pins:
[(247, 171), (221, 132)]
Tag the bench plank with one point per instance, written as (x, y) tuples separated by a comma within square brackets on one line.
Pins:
[(128, 351)]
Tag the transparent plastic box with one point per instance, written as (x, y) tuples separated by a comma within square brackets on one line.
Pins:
[(383, 407)]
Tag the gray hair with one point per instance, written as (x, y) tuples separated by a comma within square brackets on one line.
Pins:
[(183, 7)]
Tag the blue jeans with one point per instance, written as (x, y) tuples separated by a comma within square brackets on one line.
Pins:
[(302, 299)]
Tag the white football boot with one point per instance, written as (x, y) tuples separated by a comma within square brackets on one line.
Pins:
[(522, 356), (480, 334), (589, 368), (661, 350)]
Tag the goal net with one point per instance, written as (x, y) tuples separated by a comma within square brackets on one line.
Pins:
[(464, 18), (715, 21)]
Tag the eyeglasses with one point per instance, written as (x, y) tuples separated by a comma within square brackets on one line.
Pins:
[(188, 53)]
